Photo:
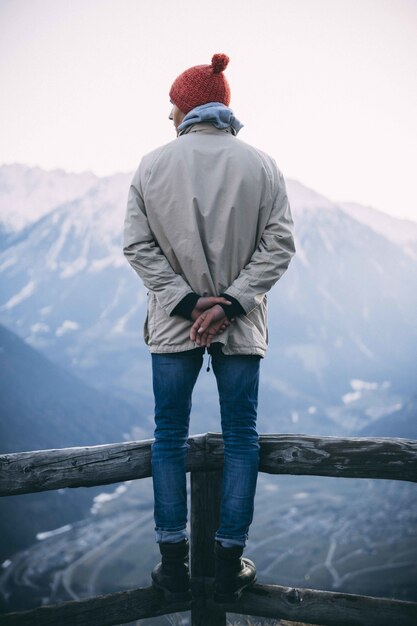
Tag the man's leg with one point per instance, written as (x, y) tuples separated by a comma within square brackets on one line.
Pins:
[(174, 377), (237, 381)]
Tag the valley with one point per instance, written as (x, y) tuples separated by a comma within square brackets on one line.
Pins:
[(349, 535)]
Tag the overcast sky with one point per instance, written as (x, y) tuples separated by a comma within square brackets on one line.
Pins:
[(328, 87)]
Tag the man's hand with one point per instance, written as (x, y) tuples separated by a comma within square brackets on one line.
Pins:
[(205, 303), (210, 323)]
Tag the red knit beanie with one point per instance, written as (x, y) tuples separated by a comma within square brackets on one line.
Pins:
[(201, 84)]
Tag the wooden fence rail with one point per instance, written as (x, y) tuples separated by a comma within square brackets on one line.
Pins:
[(389, 458), (308, 605), (352, 457)]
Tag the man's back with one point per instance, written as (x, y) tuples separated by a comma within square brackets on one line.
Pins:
[(209, 201), (208, 198)]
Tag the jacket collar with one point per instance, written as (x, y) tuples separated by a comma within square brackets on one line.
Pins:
[(205, 127)]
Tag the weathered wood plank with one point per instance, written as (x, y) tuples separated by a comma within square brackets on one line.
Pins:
[(295, 604), (27, 472), (350, 457), (205, 507), (326, 608), (355, 457), (109, 610), (392, 458)]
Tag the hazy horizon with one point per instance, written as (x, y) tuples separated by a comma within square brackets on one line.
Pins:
[(288, 178)]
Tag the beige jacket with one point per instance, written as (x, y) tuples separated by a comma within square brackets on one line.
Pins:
[(208, 213)]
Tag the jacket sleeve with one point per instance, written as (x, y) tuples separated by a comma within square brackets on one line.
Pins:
[(272, 256), (146, 257)]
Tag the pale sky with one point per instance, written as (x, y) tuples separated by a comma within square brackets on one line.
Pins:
[(327, 87)]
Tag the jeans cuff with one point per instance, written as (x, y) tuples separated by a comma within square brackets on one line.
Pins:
[(231, 542), (171, 536)]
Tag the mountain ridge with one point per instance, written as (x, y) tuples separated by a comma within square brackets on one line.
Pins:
[(78, 183), (43, 406)]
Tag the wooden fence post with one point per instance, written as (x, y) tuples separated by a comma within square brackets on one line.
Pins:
[(205, 506)]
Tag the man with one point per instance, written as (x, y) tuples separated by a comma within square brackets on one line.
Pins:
[(209, 231)]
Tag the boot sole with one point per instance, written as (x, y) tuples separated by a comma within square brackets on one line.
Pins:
[(228, 598), (173, 596)]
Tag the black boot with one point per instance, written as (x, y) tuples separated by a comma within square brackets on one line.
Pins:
[(232, 573), (172, 575)]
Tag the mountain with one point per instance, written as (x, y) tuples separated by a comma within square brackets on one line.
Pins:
[(400, 231), (344, 310), (42, 406), (350, 294), (28, 193), (76, 282)]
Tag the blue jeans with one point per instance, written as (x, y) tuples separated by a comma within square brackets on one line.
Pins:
[(174, 377)]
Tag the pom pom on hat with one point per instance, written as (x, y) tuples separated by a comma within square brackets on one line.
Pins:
[(219, 63), (201, 84)]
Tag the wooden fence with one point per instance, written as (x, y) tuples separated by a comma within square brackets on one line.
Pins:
[(389, 458)]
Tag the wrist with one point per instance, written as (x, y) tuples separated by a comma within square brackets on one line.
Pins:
[(234, 309), (186, 306)]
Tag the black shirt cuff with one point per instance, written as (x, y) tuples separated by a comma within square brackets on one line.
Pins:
[(234, 309), (186, 305)]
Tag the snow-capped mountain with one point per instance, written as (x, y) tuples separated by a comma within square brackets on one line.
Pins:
[(345, 309), (28, 193), (400, 231)]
